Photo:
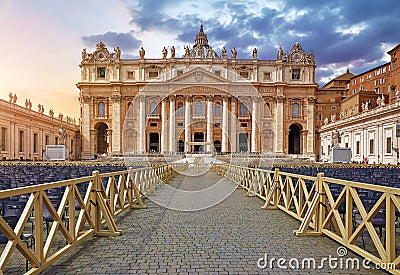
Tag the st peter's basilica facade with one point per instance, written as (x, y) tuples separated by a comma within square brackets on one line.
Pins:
[(201, 101)]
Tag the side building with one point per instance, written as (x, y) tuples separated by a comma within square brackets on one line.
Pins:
[(369, 119), (202, 101), (26, 132)]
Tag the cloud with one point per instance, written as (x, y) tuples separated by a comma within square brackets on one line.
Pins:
[(343, 34), (113, 39)]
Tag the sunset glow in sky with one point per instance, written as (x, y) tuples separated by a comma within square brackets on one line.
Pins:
[(42, 40)]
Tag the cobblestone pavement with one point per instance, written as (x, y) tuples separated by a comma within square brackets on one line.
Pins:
[(228, 238)]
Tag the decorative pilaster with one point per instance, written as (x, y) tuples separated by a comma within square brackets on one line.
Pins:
[(233, 126), (116, 124), (210, 146), (172, 141), (86, 152), (254, 124), (279, 137), (187, 122), (310, 124), (142, 125), (164, 127), (224, 142)]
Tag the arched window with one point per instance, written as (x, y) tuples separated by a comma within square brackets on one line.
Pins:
[(198, 108), (295, 110), (153, 108), (243, 109), (101, 109)]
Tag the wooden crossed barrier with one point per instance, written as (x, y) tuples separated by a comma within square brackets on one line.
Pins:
[(82, 213), (311, 200)]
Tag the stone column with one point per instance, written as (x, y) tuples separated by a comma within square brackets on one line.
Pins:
[(279, 131), (142, 125), (116, 124), (187, 122), (164, 127), (233, 125), (254, 125), (224, 142), (172, 141), (210, 147)]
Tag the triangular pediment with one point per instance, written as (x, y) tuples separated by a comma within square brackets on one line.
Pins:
[(198, 76)]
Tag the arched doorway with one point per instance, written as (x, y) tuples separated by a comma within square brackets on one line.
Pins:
[(294, 139), (102, 144)]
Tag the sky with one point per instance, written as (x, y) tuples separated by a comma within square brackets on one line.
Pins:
[(42, 40)]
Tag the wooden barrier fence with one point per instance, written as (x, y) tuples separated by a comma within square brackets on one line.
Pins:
[(332, 207), (87, 208)]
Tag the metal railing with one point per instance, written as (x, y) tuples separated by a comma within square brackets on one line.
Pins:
[(333, 207), (88, 207)]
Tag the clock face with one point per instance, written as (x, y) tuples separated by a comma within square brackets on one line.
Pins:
[(101, 55), (297, 57)]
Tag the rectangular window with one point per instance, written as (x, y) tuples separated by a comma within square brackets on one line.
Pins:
[(243, 125), (319, 116), (354, 82), (377, 90), (296, 74), (388, 145), (56, 141), (357, 147), (21, 141), (361, 79), (35, 142), (346, 145), (153, 74), (384, 70), (267, 76), (217, 124), (180, 109), (322, 150), (101, 72), (3, 138), (371, 146), (47, 139), (198, 110), (369, 76), (295, 110), (217, 110), (180, 124), (131, 75), (153, 124), (244, 75)]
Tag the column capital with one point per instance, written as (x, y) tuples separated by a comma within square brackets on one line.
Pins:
[(279, 98), (225, 97), (256, 98), (141, 98), (116, 98), (187, 97), (86, 99), (209, 97), (172, 97)]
